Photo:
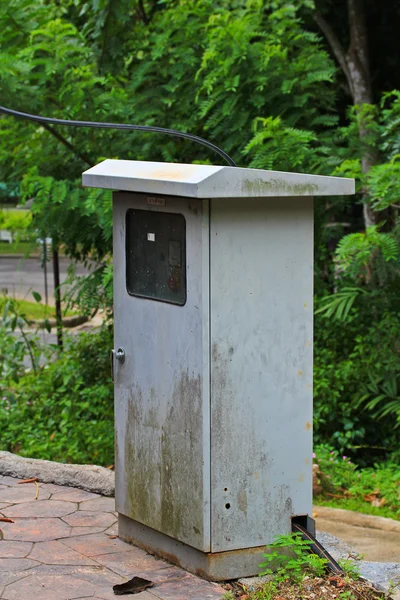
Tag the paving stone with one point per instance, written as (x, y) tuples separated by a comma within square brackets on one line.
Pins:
[(103, 581), (99, 504), (146, 595), (163, 575), (49, 587), (56, 553), (188, 588), (54, 488), (96, 545), (17, 564), (102, 578), (73, 558), (83, 518), (92, 573), (79, 531), (130, 563), (41, 508), (74, 495), (14, 549), (22, 493), (7, 577), (10, 480), (35, 530), (113, 530)]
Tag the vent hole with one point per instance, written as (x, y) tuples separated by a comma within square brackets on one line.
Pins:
[(225, 489), (227, 506)]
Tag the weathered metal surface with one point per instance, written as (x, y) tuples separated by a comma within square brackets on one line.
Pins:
[(219, 566), (206, 181), (162, 390), (261, 368)]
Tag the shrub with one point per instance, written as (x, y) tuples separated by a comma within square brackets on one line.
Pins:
[(64, 412), (353, 362)]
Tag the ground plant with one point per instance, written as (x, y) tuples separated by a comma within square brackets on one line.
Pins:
[(294, 572), (341, 483)]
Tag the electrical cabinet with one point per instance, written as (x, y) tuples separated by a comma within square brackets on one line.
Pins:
[(213, 305)]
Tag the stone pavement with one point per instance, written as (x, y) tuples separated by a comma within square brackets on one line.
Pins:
[(64, 546)]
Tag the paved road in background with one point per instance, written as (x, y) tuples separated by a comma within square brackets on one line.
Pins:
[(19, 277)]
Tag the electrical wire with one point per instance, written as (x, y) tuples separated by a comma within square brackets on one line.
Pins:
[(126, 126)]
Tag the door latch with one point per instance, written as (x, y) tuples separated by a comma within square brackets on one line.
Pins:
[(118, 355)]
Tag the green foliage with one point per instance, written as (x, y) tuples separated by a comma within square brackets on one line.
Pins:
[(93, 292), (346, 359), (338, 305), (16, 341), (382, 397), (289, 559), (64, 412), (273, 145), (16, 221), (82, 222), (339, 475), (360, 256)]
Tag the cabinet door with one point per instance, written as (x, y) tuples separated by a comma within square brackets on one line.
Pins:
[(162, 387)]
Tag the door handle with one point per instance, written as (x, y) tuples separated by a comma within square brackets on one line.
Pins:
[(118, 355)]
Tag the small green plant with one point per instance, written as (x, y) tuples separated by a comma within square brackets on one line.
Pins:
[(289, 559), (351, 567)]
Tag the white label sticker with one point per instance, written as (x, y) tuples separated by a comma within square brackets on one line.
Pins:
[(151, 237)]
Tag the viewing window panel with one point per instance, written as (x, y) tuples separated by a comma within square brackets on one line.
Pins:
[(156, 255)]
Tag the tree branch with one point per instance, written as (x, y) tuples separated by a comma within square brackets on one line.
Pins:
[(143, 13), (357, 56), (358, 32), (67, 144), (336, 47)]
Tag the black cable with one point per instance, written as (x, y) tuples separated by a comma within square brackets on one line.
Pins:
[(145, 128), (317, 548)]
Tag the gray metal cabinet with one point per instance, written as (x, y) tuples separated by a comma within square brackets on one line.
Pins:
[(214, 318)]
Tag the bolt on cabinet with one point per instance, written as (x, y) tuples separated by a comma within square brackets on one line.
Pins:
[(213, 306)]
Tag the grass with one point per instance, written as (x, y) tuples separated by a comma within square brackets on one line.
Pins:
[(24, 248), (34, 311), (358, 506)]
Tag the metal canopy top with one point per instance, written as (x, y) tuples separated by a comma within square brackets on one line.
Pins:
[(206, 181)]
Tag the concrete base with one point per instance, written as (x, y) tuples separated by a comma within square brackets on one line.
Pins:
[(219, 566)]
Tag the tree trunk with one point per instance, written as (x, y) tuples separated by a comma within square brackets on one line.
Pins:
[(57, 295), (355, 66)]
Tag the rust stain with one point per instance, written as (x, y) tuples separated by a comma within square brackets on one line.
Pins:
[(307, 461), (300, 478), (175, 175), (242, 501), (299, 372), (305, 304), (308, 426)]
